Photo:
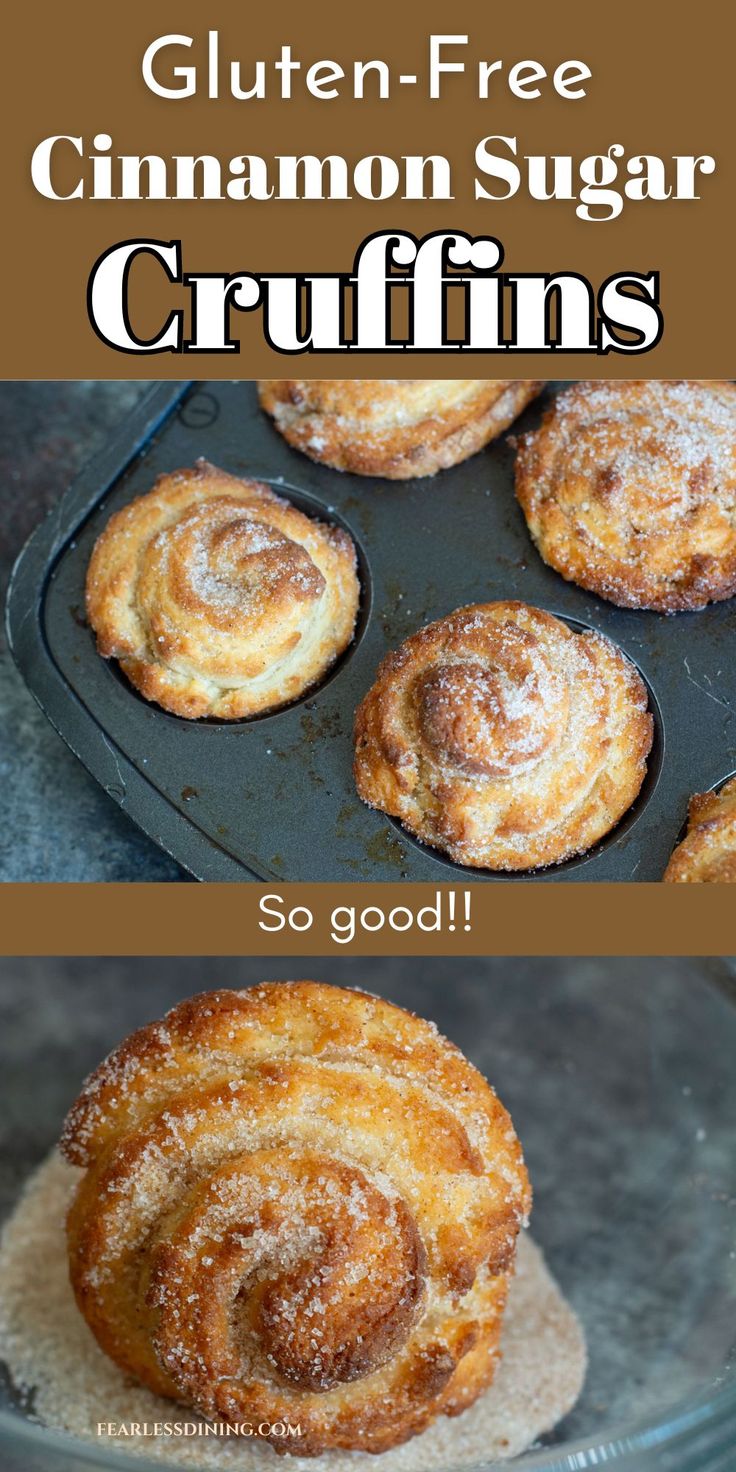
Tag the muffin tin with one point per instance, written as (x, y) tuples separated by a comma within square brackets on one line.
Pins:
[(273, 798)]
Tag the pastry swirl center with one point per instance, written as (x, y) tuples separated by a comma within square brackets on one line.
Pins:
[(223, 562), (311, 1271), (492, 720)]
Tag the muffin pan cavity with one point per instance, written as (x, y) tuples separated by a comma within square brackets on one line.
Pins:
[(459, 873), (312, 508)]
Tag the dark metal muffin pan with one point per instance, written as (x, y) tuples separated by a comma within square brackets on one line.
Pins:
[(273, 798)]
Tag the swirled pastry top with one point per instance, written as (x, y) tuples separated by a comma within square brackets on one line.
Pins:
[(707, 854), (218, 597), (300, 1203), (397, 428), (503, 738), (629, 489)]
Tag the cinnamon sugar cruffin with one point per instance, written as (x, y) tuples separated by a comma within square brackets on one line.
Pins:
[(629, 490), (299, 1202), (707, 853), (392, 427), (502, 737), (56, 1366), (218, 597)]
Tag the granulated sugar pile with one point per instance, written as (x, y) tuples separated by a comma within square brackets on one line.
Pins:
[(50, 1351)]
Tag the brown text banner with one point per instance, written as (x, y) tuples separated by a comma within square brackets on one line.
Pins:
[(627, 113), (367, 919)]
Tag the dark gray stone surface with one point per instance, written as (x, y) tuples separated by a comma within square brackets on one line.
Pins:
[(57, 824)]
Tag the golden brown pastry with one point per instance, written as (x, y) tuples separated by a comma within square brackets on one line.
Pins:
[(503, 738), (393, 427), (629, 489), (300, 1204), (218, 597), (707, 854)]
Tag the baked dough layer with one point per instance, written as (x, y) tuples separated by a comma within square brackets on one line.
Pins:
[(503, 738), (218, 597), (301, 1203), (707, 854), (629, 490), (392, 427)]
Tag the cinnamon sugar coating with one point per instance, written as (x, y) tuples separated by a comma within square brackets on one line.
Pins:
[(300, 1203), (218, 597), (391, 427), (707, 853), (503, 738), (629, 490)]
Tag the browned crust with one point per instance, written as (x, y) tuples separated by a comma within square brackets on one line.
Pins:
[(203, 1145), (629, 490), (220, 598), (707, 853), (528, 761), (393, 428)]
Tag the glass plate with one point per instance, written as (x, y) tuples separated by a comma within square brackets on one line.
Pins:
[(621, 1079)]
